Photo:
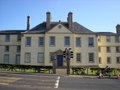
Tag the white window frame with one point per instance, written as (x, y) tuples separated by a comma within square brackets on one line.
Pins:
[(27, 57), (6, 59), (28, 41), (78, 41), (40, 57)]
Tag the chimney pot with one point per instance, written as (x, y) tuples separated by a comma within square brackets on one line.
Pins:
[(118, 29), (28, 23), (48, 20), (70, 20)]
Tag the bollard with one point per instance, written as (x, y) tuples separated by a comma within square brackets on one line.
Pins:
[(117, 77), (100, 75)]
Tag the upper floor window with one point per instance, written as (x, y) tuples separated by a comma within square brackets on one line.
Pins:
[(118, 49), (27, 57), (99, 49), (6, 48), (28, 41), (108, 60), (18, 38), (78, 41), (118, 60), (41, 41), (18, 48), (90, 41), (78, 57), (108, 49), (40, 57), (117, 38), (52, 41), (67, 41), (7, 38), (91, 57), (108, 39), (100, 60), (99, 38)]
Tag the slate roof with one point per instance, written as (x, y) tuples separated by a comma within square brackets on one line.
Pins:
[(105, 33), (77, 28), (11, 31)]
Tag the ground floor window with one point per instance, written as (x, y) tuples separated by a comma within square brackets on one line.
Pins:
[(91, 57), (118, 60), (78, 57), (27, 57), (17, 59), (40, 57), (6, 59), (108, 60), (100, 60)]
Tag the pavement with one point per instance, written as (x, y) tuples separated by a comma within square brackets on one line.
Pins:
[(40, 81)]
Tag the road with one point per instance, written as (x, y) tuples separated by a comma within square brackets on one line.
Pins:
[(53, 82)]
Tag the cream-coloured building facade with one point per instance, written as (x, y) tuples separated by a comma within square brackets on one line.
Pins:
[(36, 46)]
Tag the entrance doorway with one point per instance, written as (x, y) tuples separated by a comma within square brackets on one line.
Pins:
[(59, 60)]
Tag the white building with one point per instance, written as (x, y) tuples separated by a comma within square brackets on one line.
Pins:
[(35, 46)]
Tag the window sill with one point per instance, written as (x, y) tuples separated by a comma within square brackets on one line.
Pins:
[(52, 45), (78, 61), (91, 61)]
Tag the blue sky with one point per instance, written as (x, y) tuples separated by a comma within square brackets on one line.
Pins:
[(96, 15)]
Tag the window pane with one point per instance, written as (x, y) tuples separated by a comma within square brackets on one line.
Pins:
[(7, 38), (52, 41), (99, 49), (99, 38), (78, 41), (17, 59), (6, 48), (6, 59), (78, 57), (108, 38), (28, 41), (118, 60), (108, 49), (100, 61), (18, 37), (40, 58), (27, 57), (41, 41), (90, 41), (18, 48), (118, 49), (108, 60), (91, 57), (67, 41)]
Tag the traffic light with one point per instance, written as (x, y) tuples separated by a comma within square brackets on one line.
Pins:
[(71, 54), (64, 54)]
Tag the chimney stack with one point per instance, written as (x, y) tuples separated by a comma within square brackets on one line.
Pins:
[(70, 20), (48, 20), (118, 29), (28, 23)]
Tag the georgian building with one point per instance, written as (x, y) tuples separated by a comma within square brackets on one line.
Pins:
[(35, 46)]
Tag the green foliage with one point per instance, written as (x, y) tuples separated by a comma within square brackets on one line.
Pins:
[(26, 68)]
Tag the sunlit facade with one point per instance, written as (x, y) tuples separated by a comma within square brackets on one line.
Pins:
[(35, 46)]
